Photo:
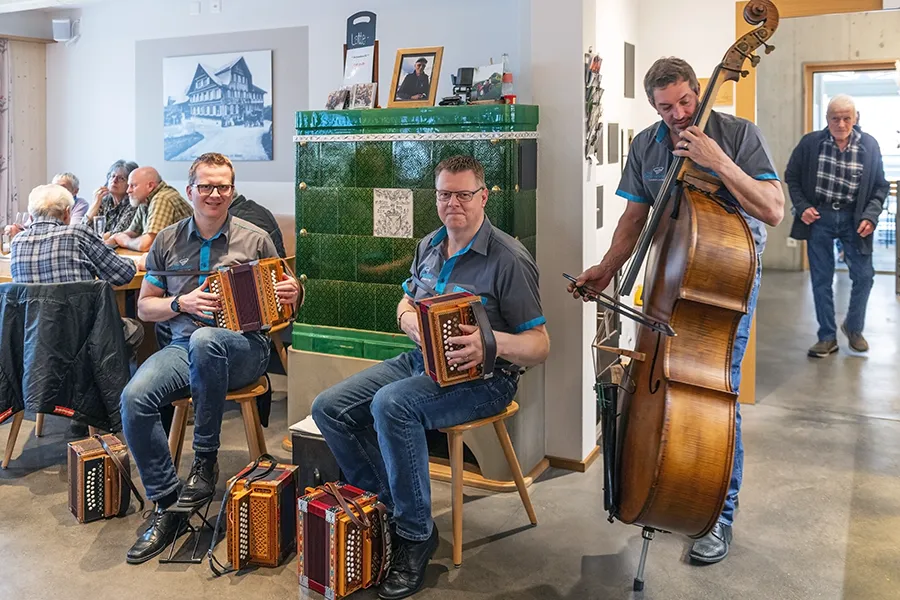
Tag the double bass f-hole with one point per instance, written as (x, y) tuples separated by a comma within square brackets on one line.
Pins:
[(654, 385)]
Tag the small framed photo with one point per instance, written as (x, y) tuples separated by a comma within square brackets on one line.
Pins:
[(363, 95), (337, 100), (415, 80)]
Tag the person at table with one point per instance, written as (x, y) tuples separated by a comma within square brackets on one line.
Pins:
[(202, 362), (70, 182), (158, 206), (110, 200)]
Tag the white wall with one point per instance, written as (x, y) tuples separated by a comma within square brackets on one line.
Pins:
[(91, 114), (32, 24)]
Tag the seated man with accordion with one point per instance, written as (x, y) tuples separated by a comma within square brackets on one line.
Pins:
[(375, 421), (212, 350)]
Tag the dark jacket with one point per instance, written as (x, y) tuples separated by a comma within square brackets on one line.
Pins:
[(801, 176), (260, 216), (63, 351)]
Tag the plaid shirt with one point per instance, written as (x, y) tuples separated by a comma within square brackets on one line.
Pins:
[(165, 207), (839, 172), (51, 252), (118, 216)]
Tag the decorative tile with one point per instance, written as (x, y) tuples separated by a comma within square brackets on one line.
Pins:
[(374, 256), (525, 214), (319, 210), (308, 164), (337, 164), (374, 165), (403, 253), (413, 167), (355, 211), (495, 160), (386, 299), (499, 210), (321, 306), (446, 149), (393, 213), (338, 254), (425, 214), (309, 260), (357, 305)]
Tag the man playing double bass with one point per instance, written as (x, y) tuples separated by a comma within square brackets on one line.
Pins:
[(733, 150)]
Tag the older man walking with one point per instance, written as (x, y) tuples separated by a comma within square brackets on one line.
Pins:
[(837, 186)]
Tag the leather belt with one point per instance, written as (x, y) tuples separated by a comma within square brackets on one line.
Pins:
[(840, 205)]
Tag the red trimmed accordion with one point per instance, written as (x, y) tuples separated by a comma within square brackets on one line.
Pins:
[(343, 540), (261, 518), (439, 320), (247, 293)]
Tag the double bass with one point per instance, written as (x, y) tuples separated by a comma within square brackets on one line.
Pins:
[(669, 444)]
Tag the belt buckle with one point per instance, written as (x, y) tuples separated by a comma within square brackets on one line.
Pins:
[(835, 206)]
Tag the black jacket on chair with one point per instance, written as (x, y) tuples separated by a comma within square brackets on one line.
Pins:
[(63, 352)]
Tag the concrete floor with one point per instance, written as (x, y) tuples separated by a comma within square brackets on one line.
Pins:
[(819, 515)]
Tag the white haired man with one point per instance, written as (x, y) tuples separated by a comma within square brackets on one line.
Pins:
[(70, 182), (836, 181)]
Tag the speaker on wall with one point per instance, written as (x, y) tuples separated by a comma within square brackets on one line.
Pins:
[(62, 30)]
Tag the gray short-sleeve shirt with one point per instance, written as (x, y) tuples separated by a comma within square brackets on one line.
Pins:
[(180, 247), (651, 155), (494, 266)]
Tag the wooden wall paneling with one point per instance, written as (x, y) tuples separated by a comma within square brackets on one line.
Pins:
[(29, 106), (808, 8)]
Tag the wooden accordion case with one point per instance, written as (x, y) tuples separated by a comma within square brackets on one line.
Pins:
[(339, 553), (247, 293), (261, 518), (96, 489), (439, 319)]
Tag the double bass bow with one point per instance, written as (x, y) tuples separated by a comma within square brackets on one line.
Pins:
[(669, 463)]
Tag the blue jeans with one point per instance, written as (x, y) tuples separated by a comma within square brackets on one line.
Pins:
[(204, 367), (740, 347), (842, 225), (375, 423)]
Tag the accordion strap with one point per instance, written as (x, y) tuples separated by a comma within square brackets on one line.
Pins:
[(124, 473), (488, 341), (363, 520)]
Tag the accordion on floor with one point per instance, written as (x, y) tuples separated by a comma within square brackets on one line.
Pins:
[(261, 518), (439, 320), (99, 478), (343, 540), (247, 294)]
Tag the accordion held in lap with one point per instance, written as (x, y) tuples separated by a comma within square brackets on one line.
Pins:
[(99, 478), (261, 518), (247, 294), (439, 320), (343, 540)]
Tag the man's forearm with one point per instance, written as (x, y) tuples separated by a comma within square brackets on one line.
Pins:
[(140, 243), (761, 199), (525, 349), (626, 235), (155, 309)]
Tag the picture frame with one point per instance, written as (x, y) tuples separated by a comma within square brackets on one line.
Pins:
[(363, 95), (337, 100), (412, 90)]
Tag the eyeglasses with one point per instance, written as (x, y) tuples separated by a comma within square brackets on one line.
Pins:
[(462, 196), (117, 179), (206, 189)]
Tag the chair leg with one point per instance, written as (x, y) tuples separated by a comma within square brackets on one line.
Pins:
[(260, 434), (39, 425), (251, 418), (13, 434), (176, 434), (506, 444), (456, 470)]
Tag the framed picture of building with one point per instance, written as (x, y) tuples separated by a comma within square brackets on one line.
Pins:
[(218, 103), (415, 80)]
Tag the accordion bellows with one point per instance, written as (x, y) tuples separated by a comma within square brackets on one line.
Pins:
[(247, 294), (336, 556), (261, 518), (96, 490)]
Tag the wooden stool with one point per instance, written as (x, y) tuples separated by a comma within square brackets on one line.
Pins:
[(246, 397), (14, 433), (455, 440)]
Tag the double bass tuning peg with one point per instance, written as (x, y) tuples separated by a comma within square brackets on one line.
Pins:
[(769, 48), (754, 59)]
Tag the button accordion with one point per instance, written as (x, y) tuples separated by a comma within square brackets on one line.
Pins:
[(439, 319), (343, 540), (247, 294), (99, 478), (260, 515)]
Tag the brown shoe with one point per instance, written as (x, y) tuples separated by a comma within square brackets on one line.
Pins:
[(857, 341), (823, 349)]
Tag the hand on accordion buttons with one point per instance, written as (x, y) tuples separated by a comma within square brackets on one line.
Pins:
[(471, 354), (200, 301), (287, 289)]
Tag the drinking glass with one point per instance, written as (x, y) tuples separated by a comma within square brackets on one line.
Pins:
[(100, 225)]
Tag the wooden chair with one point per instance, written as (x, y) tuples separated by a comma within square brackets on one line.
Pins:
[(246, 397), (14, 433), (455, 440)]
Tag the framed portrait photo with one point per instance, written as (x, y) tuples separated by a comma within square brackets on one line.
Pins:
[(415, 80)]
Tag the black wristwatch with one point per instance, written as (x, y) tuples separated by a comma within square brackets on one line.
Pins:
[(176, 306)]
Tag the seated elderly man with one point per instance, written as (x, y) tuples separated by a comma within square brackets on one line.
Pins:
[(375, 421), (52, 251), (158, 206), (70, 182), (202, 362), (110, 199)]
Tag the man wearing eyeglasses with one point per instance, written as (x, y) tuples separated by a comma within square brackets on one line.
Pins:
[(375, 421), (202, 361)]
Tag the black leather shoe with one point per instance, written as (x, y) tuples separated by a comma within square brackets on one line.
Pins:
[(201, 483), (164, 528), (407, 572), (713, 546)]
